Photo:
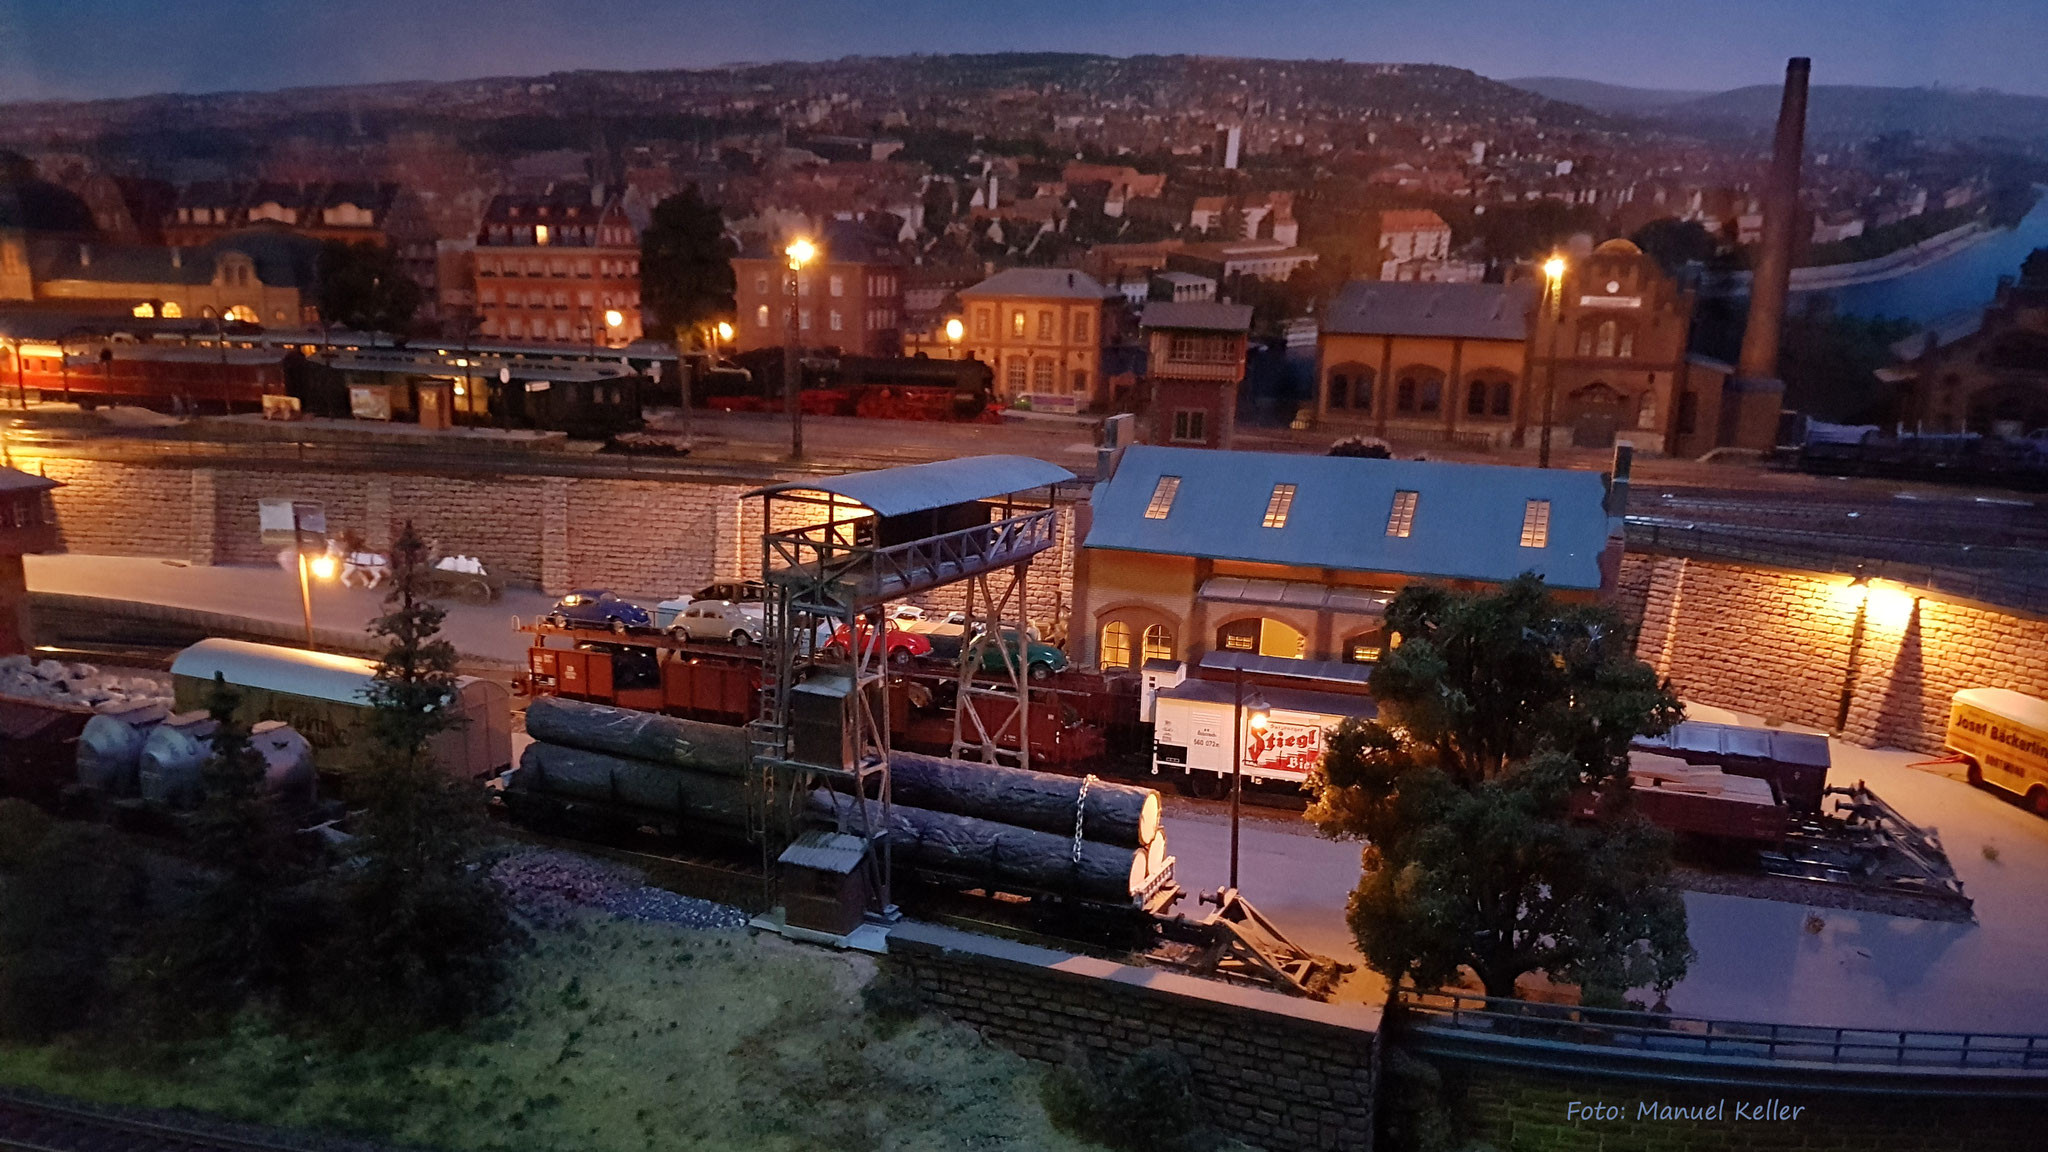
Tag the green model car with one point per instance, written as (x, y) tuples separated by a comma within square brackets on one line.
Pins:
[(1040, 659)]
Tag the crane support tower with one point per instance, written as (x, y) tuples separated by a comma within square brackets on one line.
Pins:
[(834, 552)]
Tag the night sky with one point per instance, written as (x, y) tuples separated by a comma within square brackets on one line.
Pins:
[(87, 48)]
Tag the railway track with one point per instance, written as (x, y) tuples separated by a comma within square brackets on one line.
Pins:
[(35, 1124)]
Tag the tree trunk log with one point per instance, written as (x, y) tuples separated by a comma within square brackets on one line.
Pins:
[(1005, 856), (1119, 814), (719, 748), (582, 775)]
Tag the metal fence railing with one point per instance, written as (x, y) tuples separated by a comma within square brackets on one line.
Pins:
[(1656, 1032)]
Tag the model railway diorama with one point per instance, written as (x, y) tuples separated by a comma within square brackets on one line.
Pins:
[(793, 732)]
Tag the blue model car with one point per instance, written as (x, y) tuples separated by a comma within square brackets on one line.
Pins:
[(595, 608)]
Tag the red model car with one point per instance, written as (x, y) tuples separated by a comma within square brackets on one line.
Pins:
[(900, 646)]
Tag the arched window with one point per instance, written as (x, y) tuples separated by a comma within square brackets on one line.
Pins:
[(1503, 397), (1585, 342), (1432, 395), (242, 314), (1475, 398), (1263, 635), (1404, 394), (1116, 645), (1627, 347), (1158, 643), (1605, 347), (1340, 390)]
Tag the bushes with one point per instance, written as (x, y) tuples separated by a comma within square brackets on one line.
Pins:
[(1142, 1104), (72, 910)]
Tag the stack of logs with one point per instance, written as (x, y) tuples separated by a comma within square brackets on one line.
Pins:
[(1004, 827)]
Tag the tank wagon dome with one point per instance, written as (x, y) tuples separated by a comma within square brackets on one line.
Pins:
[(315, 675)]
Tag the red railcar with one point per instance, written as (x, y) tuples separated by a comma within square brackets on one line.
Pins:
[(151, 376)]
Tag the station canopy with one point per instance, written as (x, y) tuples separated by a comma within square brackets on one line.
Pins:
[(940, 484)]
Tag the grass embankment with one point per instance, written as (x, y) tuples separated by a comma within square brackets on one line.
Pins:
[(618, 1035)]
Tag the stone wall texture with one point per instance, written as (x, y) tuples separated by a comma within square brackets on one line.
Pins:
[(1789, 645), (1522, 1111), (1278, 1081)]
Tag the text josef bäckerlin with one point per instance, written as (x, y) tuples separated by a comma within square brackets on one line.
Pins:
[(1766, 1110)]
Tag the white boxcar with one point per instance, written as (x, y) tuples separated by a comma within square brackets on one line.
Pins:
[(1192, 722)]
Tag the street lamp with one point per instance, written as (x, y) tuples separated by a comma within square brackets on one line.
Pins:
[(311, 568), (954, 331), (800, 252), (1553, 294), (1256, 714)]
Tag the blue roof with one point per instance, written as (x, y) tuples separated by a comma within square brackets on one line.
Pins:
[(919, 487), (1467, 522)]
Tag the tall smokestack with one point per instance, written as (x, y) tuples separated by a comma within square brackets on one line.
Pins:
[(1781, 221)]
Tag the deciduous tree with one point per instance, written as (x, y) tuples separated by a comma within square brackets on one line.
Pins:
[(365, 287), (1498, 712), (686, 276)]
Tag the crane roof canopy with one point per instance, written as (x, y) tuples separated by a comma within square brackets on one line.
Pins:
[(940, 484)]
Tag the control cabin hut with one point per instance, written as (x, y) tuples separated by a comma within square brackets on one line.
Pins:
[(325, 697), (28, 523)]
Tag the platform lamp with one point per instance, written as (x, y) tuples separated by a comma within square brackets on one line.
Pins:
[(954, 331), (800, 252), (1553, 295), (1254, 713), (311, 568)]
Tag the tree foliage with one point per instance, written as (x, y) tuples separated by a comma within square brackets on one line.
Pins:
[(686, 276), (366, 287), (1499, 712), (424, 925)]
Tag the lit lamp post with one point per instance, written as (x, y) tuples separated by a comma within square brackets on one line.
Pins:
[(800, 253), (954, 331), (311, 568), (1553, 294), (1256, 714), (613, 321)]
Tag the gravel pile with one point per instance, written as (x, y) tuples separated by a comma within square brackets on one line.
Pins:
[(549, 884), (61, 683)]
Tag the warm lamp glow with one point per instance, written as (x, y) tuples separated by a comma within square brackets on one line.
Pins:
[(322, 567), (1554, 268), (724, 330), (955, 329), (613, 318), (1848, 597), (800, 252), (1258, 713), (1890, 608)]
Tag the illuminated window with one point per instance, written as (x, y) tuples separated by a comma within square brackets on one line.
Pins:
[(1278, 505), (171, 310), (803, 319), (1158, 643), (1116, 645), (838, 286), (1606, 342), (761, 316), (1162, 498), (540, 234), (1536, 524), (1017, 323), (1401, 518), (1044, 324), (1628, 345), (242, 314), (983, 322), (145, 311), (834, 319)]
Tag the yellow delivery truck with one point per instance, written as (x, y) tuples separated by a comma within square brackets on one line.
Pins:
[(2003, 736)]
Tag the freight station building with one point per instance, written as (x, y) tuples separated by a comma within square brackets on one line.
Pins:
[(1283, 564)]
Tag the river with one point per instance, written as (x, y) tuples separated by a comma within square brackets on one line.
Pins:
[(1960, 283)]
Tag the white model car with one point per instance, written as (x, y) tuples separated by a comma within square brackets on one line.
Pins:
[(717, 620)]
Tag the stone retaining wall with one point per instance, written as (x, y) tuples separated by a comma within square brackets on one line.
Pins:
[(642, 537), (1276, 1071), (1788, 645)]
